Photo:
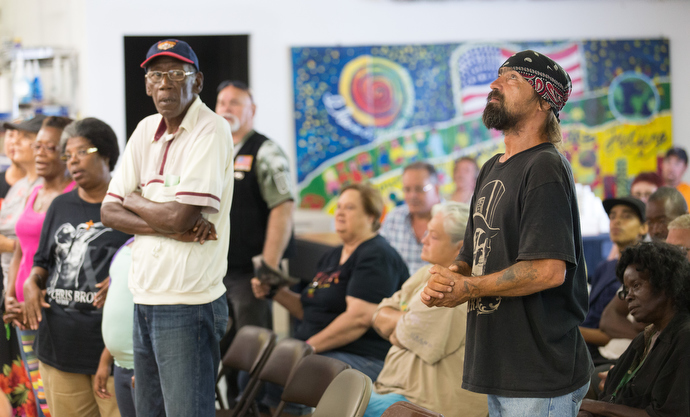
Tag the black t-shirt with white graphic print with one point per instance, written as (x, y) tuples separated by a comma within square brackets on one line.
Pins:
[(530, 346), (373, 272), (76, 250)]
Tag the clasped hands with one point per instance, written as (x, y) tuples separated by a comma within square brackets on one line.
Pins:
[(13, 312), (447, 287)]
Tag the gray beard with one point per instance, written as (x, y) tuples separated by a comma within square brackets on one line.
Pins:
[(234, 127)]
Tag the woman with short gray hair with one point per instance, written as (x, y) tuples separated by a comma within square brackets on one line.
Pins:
[(425, 364), (455, 216)]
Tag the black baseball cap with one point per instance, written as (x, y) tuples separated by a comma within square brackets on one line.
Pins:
[(32, 125), (635, 204), (174, 48), (678, 153)]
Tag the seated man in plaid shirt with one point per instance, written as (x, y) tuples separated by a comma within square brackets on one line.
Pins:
[(405, 226)]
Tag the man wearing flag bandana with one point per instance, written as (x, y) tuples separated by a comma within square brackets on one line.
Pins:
[(521, 269)]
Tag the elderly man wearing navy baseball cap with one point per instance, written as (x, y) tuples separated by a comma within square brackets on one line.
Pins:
[(174, 192), (521, 269)]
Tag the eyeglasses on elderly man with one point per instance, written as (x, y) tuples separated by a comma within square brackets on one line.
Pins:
[(173, 75)]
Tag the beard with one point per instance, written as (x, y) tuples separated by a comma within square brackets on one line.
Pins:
[(233, 121), (495, 115)]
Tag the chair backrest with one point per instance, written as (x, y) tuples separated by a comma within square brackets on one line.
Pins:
[(283, 360), (248, 352), (310, 379), (249, 348), (405, 409), (280, 364), (347, 396)]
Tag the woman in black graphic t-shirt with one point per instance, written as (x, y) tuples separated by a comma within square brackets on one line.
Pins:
[(71, 264)]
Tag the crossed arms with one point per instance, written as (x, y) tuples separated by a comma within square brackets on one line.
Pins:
[(140, 216)]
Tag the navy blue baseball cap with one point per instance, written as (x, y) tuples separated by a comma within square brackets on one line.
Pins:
[(174, 48)]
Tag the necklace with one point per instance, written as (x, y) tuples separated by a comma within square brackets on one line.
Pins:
[(45, 197)]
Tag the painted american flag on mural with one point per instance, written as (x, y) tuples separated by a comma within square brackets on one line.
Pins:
[(477, 67)]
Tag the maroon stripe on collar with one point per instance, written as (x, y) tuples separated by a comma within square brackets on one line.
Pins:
[(161, 130)]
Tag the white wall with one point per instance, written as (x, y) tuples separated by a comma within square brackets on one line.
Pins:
[(276, 25), (43, 22), (35, 23)]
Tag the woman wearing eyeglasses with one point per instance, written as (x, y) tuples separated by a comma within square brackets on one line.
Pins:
[(651, 376), (56, 180), (71, 262)]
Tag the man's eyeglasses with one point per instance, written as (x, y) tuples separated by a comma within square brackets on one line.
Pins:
[(48, 148), (80, 153), (173, 75), (418, 190)]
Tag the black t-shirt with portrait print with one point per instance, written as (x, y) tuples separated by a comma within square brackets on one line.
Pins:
[(76, 250), (373, 272), (530, 346)]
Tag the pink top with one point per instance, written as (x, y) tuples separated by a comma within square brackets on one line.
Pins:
[(28, 229)]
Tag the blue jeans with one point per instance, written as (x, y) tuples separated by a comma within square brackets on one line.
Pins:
[(176, 357), (370, 367), (378, 403), (124, 393), (563, 406)]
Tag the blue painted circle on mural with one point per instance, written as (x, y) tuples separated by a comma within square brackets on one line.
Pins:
[(633, 97)]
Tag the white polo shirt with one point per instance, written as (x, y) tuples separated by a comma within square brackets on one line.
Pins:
[(192, 166)]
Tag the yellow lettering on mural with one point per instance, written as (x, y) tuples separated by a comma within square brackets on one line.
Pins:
[(618, 151)]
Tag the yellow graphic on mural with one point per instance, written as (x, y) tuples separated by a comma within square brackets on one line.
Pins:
[(617, 152)]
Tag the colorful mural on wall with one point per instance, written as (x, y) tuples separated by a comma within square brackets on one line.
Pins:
[(362, 113)]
